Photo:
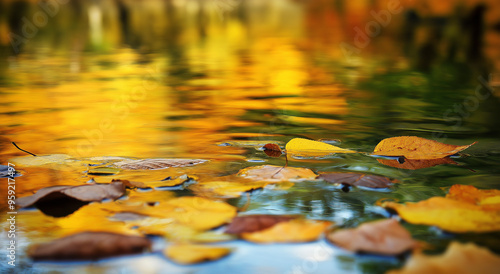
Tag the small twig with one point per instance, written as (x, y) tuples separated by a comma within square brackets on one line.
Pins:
[(286, 164), (22, 149)]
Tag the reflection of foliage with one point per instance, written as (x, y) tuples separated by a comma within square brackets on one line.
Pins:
[(223, 6)]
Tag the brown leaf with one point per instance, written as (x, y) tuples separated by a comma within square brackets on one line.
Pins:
[(386, 237), (89, 246), (130, 184), (416, 164), (252, 223), (272, 150), (84, 193), (356, 179), (458, 258), (412, 147), (151, 164)]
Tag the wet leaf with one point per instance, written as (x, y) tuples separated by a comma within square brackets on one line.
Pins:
[(40, 160), (356, 179), (84, 193), (252, 223), (192, 254), (173, 182), (458, 258), (103, 171), (305, 147), (412, 147), (464, 209), (226, 189), (386, 237), (153, 164), (89, 246), (272, 150), (269, 173), (416, 164), (298, 230), (130, 184)]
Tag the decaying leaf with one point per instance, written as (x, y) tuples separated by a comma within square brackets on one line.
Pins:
[(253, 223), (305, 147), (226, 189), (89, 246), (298, 230), (386, 237), (412, 147), (272, 150), (464, 209), (458, 258), (85, 193), (152, 164), (269, 173), (416, 164), (192, 254), (356, 179)]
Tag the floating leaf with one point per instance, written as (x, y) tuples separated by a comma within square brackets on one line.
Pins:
[(412, 147), (458, 258), (252, 223), (226, 189), (356, 179), (130, 184), (386, 237), (305, 147), (272, 150), (288, 232), (416, 164), (465, 209), (89, 246), (152, 164), (40, 160), (269, 173), (192, 254)]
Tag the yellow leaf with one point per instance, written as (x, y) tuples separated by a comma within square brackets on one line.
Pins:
[(269, 173), (305, 147), (458, 258), (192, 254), (412, 147), (226, 189), (289, 232)]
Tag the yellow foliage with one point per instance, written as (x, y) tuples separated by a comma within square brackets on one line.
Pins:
[(191, 254), (305, 147)]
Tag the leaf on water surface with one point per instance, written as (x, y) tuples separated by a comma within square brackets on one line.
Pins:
[(253, 223), (305, 147), (130, 184), (356, 179), (385, 237), (85, 193), (192, 254), (269, 173), (464, 209), (153, 164), (225, 189), (272, 150), (89, 246), (416, 164), (412, 147), (27, 161), (458, 258), (297, 230)]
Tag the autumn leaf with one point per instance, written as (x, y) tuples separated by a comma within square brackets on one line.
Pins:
[(458, 258), (270, 173), (103, 171), (416, 164), (89, 246), (293, 231), (192, 254), (272, 150), (226, 189), (356, 179), (305, 147), (412, 147), (252, 223), (464, 209), (386, 237), (153, 164)]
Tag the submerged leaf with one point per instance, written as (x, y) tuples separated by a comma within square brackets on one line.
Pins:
[(152, 164), (386, 237), (356, 179), (252, 223), (270, 173), (192, 254), (292, 231), (416, 164), (412, 147), (89, 246), (305, 147), (458, 258)]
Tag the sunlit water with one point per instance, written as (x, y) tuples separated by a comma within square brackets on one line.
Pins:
[(220, 90)]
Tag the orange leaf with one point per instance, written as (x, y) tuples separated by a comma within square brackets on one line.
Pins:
[(288, 232), (416, 164), (191, 254), (412, 147)]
